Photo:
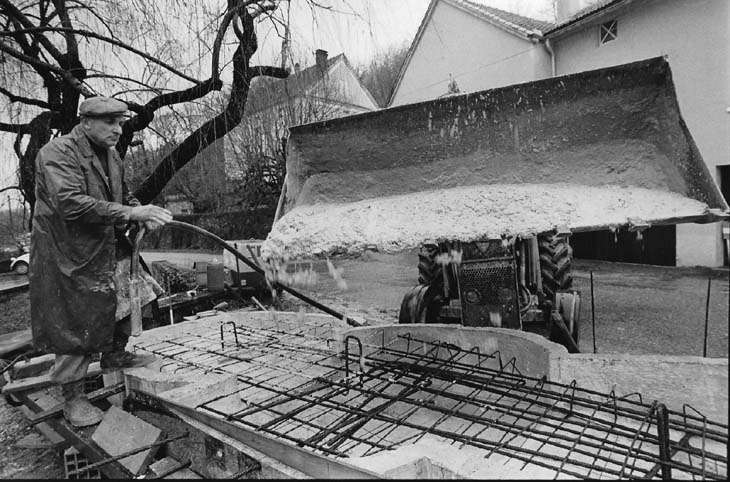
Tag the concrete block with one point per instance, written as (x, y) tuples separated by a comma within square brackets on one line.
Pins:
[(153, 382), (213, 386), (120, 432), (168, 463)]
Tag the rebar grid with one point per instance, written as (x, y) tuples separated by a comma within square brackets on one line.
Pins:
[(379, 396)]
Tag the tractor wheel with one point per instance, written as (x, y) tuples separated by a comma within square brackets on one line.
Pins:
[(421, 305), (429, 271), (21, 267), (555, 263)]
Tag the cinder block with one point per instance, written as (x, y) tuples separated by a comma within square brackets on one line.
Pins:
[(75, 460), (93, 383), (121, 432)]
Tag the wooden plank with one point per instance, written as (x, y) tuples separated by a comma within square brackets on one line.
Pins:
[(93, 397), (46, 430), (77, 438), (41, 381)]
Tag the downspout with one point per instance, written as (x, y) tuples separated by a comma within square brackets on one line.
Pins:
[(537, 37), (549, 47)]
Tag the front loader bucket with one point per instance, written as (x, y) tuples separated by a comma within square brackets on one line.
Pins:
[(587, 151)]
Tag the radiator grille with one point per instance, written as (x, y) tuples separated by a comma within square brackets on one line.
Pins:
[(488, 291)]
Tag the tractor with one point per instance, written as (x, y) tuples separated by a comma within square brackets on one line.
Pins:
[(523, 283)]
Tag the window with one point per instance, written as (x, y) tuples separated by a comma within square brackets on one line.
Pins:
[(607, 32)]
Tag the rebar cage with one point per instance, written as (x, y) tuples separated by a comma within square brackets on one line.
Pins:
[(296, 383)]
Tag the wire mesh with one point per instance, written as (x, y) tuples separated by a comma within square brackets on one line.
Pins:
[(298, 385)]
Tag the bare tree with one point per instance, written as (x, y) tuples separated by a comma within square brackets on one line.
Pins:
[(53, 53), (382, 72), (256, 149)]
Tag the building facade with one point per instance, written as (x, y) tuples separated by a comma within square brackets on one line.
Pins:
[(479, 47)]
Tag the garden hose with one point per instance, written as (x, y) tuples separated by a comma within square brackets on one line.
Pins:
[(189, 227)]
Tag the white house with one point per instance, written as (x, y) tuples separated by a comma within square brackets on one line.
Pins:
[(471, 46)]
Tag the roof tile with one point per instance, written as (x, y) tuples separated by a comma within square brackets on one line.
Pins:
[(511, 20)]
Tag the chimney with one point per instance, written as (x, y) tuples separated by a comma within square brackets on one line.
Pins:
[(321, 58)]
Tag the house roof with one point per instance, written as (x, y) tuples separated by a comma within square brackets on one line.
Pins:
[(516, 24), (585, 14), (268, 91), (524, 26)]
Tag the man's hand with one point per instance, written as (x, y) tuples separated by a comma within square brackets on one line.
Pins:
[(152, 216)]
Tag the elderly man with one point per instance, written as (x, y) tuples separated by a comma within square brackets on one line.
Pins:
[(78, 252)]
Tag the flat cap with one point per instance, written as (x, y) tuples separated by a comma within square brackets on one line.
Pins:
[(102, 106)]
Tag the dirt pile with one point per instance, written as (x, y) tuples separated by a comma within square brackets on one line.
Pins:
[(402, 222)]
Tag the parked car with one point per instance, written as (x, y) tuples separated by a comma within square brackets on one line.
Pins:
[(20, 264)]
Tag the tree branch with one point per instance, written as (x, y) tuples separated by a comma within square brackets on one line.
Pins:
[(89, 34), (13, 11), (25, 100), (8, 188), (268, 71), (146, 113), (72, 47), (217, 127), (67, 76), (15, 128)]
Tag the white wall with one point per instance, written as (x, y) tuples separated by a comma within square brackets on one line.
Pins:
[(478, 55), (346, 87), (694, 35)]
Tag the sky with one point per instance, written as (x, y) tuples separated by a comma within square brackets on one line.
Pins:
[(361, 29)]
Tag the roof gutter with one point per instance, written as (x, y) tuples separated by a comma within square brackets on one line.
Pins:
[(578, 23)]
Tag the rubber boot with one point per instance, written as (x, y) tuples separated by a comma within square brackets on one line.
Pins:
[(119, 358), (76, 407)]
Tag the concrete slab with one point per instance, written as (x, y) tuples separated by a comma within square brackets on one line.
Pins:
[(675, 381), (121, 432), (282, 353)]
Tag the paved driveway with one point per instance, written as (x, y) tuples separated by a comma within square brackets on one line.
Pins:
[(638, 309)]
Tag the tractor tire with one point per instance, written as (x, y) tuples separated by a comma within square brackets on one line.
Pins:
[(421, 304), (429, 271), (21, 267), (555, 264)]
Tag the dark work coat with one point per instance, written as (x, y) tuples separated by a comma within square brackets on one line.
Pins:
[(72, 248)]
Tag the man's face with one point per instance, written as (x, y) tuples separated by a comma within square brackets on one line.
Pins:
[(103, 131)]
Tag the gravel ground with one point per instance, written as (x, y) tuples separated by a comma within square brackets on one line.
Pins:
[(638, 310)]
